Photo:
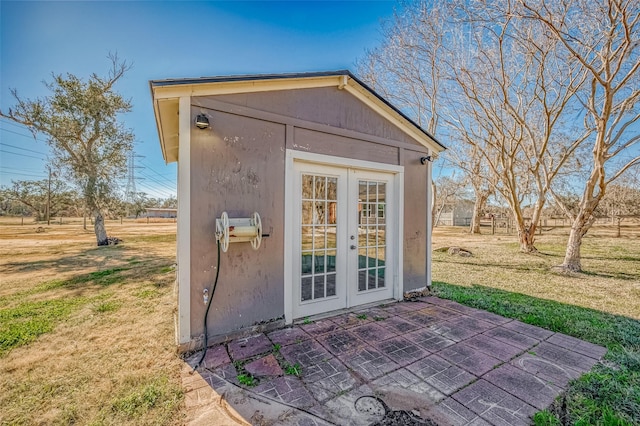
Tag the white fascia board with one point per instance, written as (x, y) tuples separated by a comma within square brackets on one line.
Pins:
[(235, 87), (166, 111)]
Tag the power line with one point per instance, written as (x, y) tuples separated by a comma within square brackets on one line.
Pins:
[(27, 174), (161, 176), (13, 123), (20, 126), (22, 134), (21, 155), (157, 191), (164, 185), (24, 149), (22, 169)]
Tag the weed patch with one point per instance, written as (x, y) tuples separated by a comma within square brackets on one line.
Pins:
[(109, 306), (293, 370), (156, 394), (148, 294), (166, 269), (24, 323), (247, 380)]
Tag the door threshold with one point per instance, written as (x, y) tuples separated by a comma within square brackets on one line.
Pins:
[(325, 315)]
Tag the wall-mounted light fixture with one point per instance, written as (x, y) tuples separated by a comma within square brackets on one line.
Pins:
[(423, 160), (202, 121)]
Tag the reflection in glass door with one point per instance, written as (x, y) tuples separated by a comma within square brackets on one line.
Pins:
[(318, 231), (372, 242), (343, 249)]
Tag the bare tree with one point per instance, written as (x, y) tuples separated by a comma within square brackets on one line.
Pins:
[(468, 158), (515, 90), (500, 87), (603, 39), (406, 69), (80, 120), (621, 200), (449, 190)]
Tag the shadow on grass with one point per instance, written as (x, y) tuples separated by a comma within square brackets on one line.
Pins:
[(617, 275), (86, 259), (514, 267), (542, 268), (24, 318), (610, 393)]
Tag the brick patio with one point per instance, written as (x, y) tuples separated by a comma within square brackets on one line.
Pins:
[(433, 358)]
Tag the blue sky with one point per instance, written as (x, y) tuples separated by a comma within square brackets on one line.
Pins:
[(166, 40)]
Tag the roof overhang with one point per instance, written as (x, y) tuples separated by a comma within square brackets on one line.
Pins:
[(166, 94)]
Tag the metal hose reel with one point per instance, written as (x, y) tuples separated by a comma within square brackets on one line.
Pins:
[(237, 230)]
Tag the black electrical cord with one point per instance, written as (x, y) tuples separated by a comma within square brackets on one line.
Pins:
[(213, 291)]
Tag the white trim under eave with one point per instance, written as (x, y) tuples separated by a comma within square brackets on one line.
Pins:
[(288, 236), (184, 222), (330, 160)]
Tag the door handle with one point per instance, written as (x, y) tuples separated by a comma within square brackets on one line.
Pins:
[(353, 247)]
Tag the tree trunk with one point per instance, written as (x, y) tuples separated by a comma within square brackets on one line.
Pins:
[(526, 237), (572, 254), (101, 232), (579, 228), (478, 206)]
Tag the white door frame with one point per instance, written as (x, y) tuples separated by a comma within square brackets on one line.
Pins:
[(289, 250)]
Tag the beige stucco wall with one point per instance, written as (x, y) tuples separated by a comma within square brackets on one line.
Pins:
[(328, 105), (238, 166)]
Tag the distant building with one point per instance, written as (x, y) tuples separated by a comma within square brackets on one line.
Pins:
[(459, 213), (163, 213)]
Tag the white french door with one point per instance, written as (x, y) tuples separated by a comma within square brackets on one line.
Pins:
[(343, 237), (371, 233)]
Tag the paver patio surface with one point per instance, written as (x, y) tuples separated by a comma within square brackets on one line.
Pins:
[(430, 362)]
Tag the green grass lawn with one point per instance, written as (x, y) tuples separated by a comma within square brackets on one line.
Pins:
[(87, 337), (86, 333), (515, 285)]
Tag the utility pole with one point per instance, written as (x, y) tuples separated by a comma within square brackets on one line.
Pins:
[(49, 199)]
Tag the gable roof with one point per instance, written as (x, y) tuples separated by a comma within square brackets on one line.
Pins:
[(166, 93)]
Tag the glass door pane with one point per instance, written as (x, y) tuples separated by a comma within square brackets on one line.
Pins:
[(372, 242), (319, 221)]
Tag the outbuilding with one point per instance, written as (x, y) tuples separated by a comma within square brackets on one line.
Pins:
[(318, 189)]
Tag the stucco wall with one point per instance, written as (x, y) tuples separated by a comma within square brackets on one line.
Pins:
[(328, 105), (415, 221), (238, 166)]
